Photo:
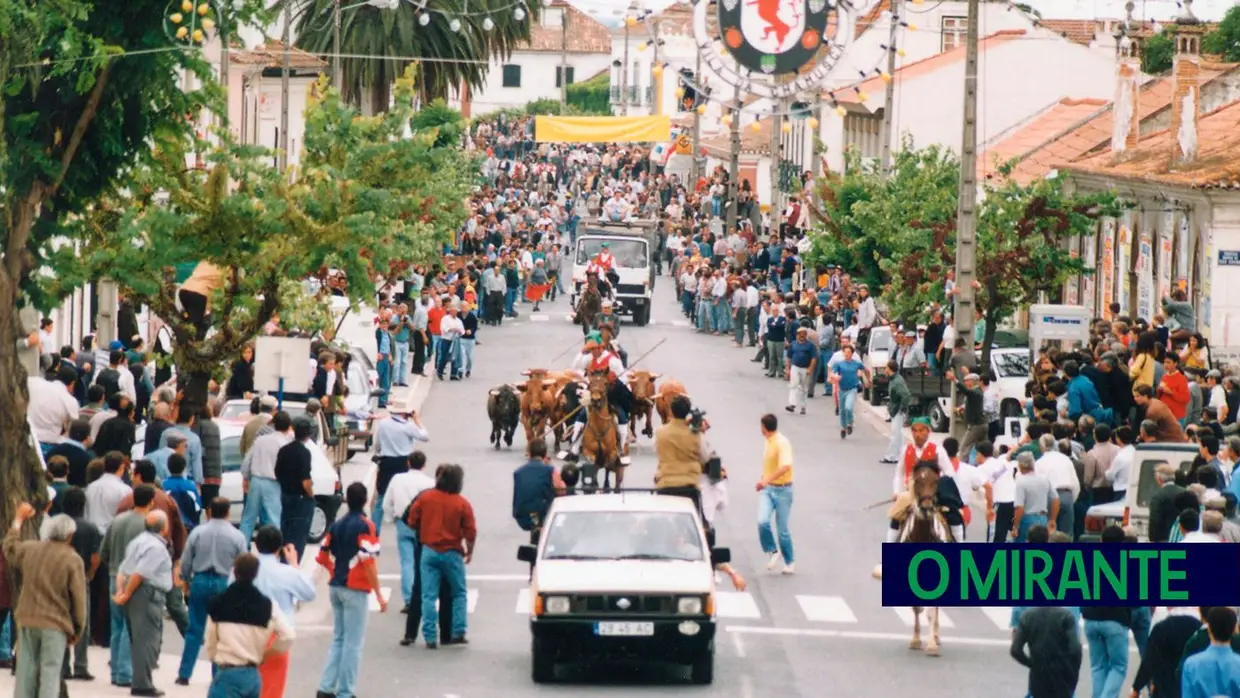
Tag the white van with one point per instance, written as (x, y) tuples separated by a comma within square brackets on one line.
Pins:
[(1133, 512)]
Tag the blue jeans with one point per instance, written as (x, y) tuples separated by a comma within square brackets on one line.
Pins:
[(723, 317), (6, 637), (400, 360), (262, 506), (821, 374), (406, 540), (122, 657), (376, 513), (704, 316), (467, 355), (1108, 656), (384, 368), (445, 354), (349, 612), (1141, 617), (450, 565), (785, 285), (202, 589), (236, 682), (775, 500), (1027, 522), (848, 399), (510, 299), (686, 302), (1067, 513)]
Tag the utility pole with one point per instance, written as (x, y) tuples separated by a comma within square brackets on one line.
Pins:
[(734, 166), (966, 225), (890, 96), (336, 77), (777, 125), (284, 85), (624, 67), (697, 120), (563, 57)]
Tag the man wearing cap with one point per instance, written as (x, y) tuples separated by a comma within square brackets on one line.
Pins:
[(922, 449), (802, 360), (977, 427), (595, 358)]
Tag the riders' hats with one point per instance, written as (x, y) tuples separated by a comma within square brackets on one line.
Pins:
[(922, 421), (595, 337), (606, 244)]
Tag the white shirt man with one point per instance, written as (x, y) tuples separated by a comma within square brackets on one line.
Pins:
[(401, 491), (260, 460), (51, 409), (751, 296), (999, 474), (451, 327), (1117, 474), (1058, 468)]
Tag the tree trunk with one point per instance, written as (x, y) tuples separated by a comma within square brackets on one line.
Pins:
[(194, 390), (21, 475)]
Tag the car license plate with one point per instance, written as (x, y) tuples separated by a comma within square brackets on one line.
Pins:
[(624, 629)]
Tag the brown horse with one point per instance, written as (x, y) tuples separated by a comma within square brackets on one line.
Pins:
[(589, 305), (924, 523), (600, 442)]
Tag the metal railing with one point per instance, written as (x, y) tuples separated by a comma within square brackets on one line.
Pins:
[(615, 94)]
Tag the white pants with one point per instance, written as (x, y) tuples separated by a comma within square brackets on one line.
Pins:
[(798, 383), (896, 447)]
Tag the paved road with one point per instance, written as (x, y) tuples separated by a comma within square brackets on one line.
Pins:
[(784, 636)]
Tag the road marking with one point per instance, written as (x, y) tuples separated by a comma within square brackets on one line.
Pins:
[(859, 635), (478, 577), (539, 318), (373, 603), (471, 601), (738, 641), (1001, 617), (681, 323), (826, 609), (906, 616), (523, 601), (736, 604)]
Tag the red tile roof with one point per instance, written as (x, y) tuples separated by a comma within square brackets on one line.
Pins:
[(585, 34), (1061, 117), (271, 55), (1217, 164), (924, 66), (1080, 31), (1094, 133)]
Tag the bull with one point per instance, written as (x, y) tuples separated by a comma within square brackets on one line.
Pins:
[(570, 396), (504, 409), (537, 402), (663, 398), (642, 384)]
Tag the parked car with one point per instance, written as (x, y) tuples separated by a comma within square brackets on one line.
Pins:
[(878, 352), (1133, 512), (623, 576), (931, 393)]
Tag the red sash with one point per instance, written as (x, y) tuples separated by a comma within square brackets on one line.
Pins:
[(602, 363)]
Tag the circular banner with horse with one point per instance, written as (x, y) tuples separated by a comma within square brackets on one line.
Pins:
[(773, 37)]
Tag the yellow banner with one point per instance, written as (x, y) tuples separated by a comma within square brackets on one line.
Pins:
[(602, 129)]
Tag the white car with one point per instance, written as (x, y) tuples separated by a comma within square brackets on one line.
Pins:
[(1133, 512), (324, 477), (623, 576)]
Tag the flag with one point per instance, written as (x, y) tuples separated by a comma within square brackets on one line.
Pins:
[(535, 292)]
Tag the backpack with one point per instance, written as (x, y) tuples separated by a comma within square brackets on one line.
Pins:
[(110, 379)]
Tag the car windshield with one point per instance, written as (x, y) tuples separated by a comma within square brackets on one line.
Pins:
[(239, 409), (880, 339), (1011, 364), (629, 254), (613, 535), (1147, 485), (230, 454)]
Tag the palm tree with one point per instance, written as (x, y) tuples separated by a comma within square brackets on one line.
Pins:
[(391, 38)]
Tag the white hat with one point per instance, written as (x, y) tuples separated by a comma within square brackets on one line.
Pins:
[(607, 303)]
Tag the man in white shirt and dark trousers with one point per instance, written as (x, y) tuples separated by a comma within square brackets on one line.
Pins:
[(1056, 465), (998, 478)]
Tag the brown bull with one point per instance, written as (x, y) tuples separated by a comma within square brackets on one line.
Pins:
[(642, 385), (537, 401), (663, 399)]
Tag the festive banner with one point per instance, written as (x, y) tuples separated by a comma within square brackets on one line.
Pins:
[(602, 129)]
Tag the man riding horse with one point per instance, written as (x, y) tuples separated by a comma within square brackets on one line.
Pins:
[(607, 324), (597, 359), (589, 305)]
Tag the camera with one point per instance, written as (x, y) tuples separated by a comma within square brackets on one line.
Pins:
[(696, 419)]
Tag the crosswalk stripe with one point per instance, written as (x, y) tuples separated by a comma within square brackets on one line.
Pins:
[(373, 603), (523, 602), (1001, 617), (539, 318), (906, 616), (827, 609), (736, 604), (681, 323)]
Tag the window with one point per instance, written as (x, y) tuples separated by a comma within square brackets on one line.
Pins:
[(864, 133), (512, 75), (552, 16), (557, 75), (624, 535), (954, 29)]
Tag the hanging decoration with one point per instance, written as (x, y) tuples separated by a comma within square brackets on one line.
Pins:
[(190, 21)]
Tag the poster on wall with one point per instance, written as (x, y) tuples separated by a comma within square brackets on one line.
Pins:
[(1072, 287), (1089, 282), (1106, 265), (1123, 267), (1183, 280), (1164, 262), (1145, 277)]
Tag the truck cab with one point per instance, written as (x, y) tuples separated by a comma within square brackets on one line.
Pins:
[(632, 244), (623, 576), (1133, 512)]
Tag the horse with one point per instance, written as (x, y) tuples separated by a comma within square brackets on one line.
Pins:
[(589, 305), (600, 441), (924, 523)]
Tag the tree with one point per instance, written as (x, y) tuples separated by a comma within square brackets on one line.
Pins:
[(1023, 234), (1225, 39), (379, 43), (1157, 51), (86, 86), (367, 202), (447, 122)]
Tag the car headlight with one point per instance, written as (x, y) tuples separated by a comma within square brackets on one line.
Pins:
[(557, 605), (689, 605)]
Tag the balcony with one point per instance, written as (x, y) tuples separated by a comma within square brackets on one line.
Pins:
[(634, 91), (615, 94), (650, 95)]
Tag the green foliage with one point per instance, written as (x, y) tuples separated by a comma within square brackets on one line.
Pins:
[(446, 121), (1157, 52), (899, 232), (392, 40), (592, 96), (1225, 39), (543, 107)]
